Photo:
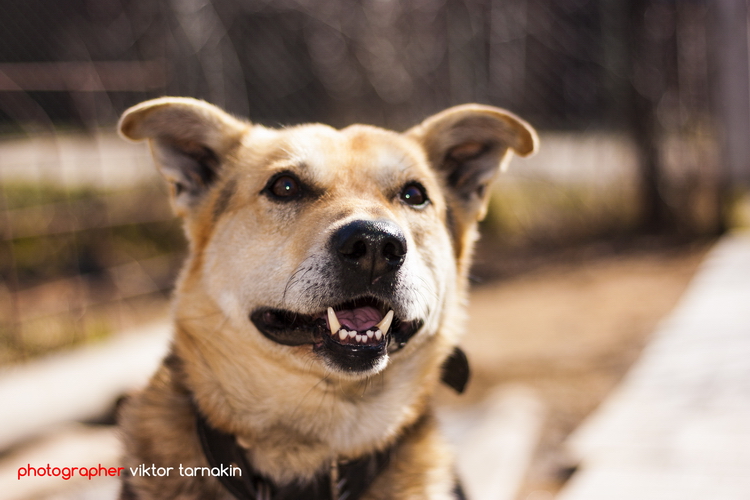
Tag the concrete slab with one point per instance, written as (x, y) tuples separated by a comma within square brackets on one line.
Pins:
[(77, 385), (679, 424), (495, 441)]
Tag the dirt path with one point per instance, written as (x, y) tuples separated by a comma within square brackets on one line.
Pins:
[(570, 331)]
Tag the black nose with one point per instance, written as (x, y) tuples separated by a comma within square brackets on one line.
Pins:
[(372, 248)]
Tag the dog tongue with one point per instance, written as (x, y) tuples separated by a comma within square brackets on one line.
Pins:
[(359, 318)]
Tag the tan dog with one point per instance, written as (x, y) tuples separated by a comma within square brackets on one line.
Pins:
[(323, 293)]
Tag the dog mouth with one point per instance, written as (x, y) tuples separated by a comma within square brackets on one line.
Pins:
[(360, 326), (350, 333)]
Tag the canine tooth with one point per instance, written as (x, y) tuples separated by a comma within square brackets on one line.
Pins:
[(378, 334), (386, 323), (343, 334), (333, 321), (352, 334)]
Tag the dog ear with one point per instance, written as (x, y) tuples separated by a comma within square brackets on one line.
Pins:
[(189, 139), (468, 145)]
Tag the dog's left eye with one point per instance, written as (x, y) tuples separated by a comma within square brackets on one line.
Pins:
[(414, 194), (284, 187)]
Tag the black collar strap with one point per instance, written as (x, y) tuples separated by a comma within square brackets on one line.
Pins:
[(346, 479)]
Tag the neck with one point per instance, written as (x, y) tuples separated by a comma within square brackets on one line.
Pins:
[(294, 422), (347, 478)]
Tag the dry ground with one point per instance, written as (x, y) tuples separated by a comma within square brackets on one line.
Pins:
[(569, 329)]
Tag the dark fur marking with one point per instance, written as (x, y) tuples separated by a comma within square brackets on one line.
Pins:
[(224, 198), (176, 366), (458, 490), (173, 362), (450, 223), (126, 491)]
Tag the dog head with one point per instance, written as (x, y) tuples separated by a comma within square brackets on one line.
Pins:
[(339, 249)]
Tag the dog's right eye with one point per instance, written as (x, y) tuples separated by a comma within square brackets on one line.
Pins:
[(414, 194), (284, 187)]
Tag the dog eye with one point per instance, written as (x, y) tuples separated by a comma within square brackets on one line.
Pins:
[(285, 187), (414, 194)]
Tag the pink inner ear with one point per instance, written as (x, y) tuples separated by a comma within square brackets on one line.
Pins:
[(466, 151)]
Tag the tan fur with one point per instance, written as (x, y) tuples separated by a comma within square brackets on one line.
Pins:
[(293, 410)]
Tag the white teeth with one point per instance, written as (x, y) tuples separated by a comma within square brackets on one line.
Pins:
[(333, 321), (380, 330), (385, 324)]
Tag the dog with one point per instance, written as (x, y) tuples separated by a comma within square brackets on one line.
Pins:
[(320, 305)]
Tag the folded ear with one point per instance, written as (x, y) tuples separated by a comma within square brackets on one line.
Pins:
[(189, 139), (468, 145)]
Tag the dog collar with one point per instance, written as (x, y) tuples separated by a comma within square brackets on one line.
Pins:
[(345, 479)]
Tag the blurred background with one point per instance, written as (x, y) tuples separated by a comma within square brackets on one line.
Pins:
[(643, 108)]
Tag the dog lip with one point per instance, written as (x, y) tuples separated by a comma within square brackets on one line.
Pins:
[(402, 332), (287, 327), (294, 329), (352, 358)]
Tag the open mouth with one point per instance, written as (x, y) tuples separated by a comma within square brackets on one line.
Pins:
[(364, 328), (359, 326)]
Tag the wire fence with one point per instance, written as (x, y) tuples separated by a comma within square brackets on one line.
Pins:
[(559, 62), (86, 242), (79, 262)]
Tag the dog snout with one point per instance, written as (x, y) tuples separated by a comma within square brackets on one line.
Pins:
[(370, 248)]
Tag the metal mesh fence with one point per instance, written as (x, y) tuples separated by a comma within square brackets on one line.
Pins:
[(79, 232), (297, 60)]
